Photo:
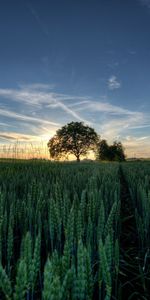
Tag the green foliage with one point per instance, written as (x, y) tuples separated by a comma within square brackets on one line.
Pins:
[(5, 284), (9, 245), (48, 278), (21, 281), (72, 206), (67, 285), (81, 272), (104, 263), (26, 254), (36, 261), (59, 228), (66, 258), (116, 258)]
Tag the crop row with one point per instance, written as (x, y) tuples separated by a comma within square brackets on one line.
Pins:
[(58, 230)]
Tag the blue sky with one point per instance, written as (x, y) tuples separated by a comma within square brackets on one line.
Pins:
[(83, 60)]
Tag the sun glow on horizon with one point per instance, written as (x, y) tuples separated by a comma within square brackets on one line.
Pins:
[(38, 149)]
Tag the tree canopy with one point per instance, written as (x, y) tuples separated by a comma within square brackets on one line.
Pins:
[(114, 152), (74, 138)]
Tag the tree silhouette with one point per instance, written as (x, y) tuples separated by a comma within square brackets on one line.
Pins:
[(74, 138), (113, 152), (103, 150), (117, 152)]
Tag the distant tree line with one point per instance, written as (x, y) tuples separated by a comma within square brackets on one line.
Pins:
[(114, 152), (78, 139)]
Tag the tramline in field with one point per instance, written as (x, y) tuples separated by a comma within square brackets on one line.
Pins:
[(138, 178)]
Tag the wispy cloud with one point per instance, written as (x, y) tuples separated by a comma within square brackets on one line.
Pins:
[(28, 95), (113, 121), (13, 136), (37, 95), (4, 124), (108, 109), (113, 83), (35, 101), (29, 103), (137, 146), (37, 86), (76, 104), (95, 106), (25, 118), (67, 110), (112, 128), (140, 126)]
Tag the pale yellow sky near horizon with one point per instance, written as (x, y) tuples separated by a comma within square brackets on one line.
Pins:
[(39, 149)]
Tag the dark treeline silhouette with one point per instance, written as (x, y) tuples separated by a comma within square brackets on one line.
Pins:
[(114, 152), (78, 139)]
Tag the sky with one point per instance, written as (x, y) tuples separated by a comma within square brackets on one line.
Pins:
[(75, 60)]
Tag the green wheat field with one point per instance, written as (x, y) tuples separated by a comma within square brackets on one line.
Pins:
[(63, 230)]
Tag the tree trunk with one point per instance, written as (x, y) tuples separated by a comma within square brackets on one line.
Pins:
[(78, 158)]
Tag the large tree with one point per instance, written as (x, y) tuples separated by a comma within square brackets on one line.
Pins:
[(74, 138)]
